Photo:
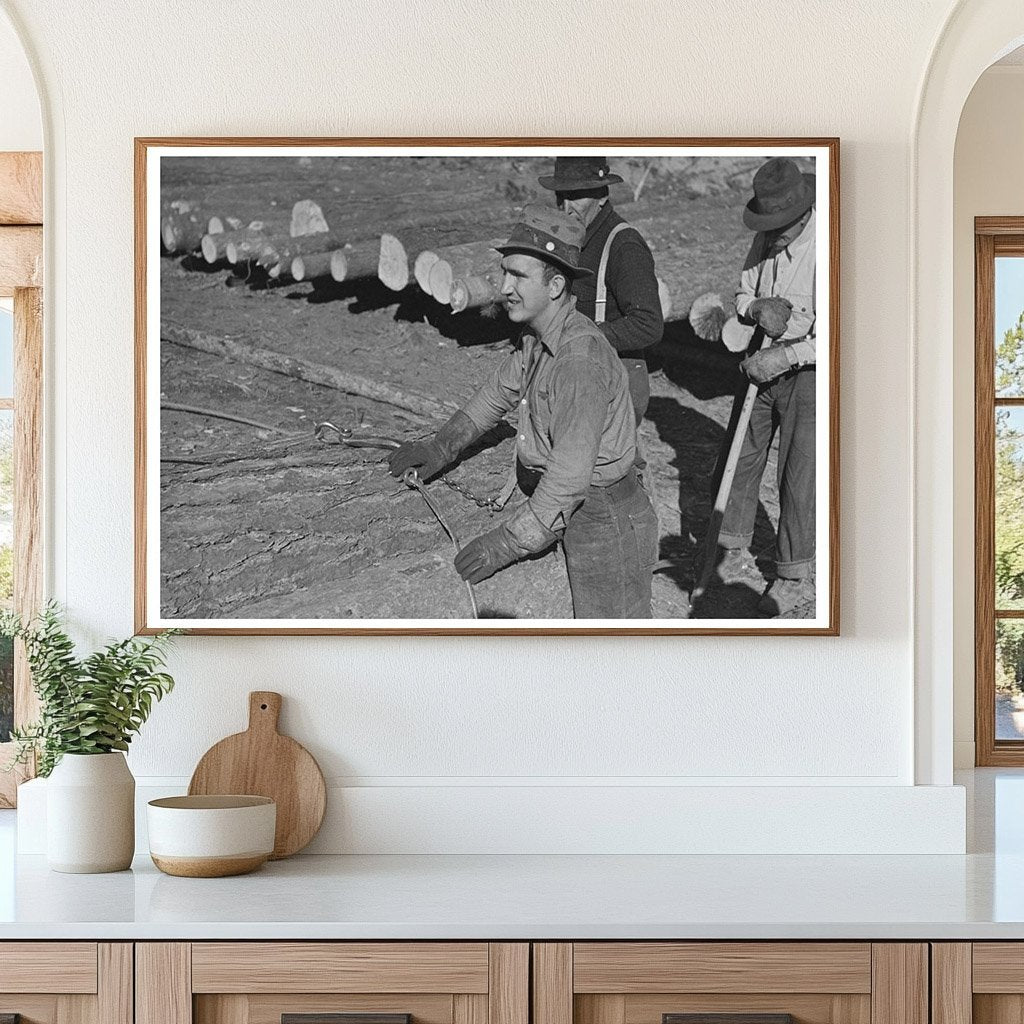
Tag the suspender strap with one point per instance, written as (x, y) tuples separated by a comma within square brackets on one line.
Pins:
[(602, 288)]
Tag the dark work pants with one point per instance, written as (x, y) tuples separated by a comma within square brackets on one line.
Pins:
[(611, 545), (786, 404)]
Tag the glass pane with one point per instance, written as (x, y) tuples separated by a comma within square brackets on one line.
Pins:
[(1009, 679), (1009, 338), (6, 567), (1009, 574), (6, 353)]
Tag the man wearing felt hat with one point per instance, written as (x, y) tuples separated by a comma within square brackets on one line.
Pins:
[(575, 437), (777, 295), (621, 293)]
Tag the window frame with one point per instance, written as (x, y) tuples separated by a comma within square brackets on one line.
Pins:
[(21, 272), (993, 237)]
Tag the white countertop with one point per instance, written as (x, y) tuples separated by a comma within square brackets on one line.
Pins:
[(516, 897), (976, 896)]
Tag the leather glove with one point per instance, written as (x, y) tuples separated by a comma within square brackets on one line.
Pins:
[(427, 457), (771, 314), (431, 454), (767, 364), (485, 555)]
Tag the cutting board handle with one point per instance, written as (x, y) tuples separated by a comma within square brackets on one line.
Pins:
[(264, 710)]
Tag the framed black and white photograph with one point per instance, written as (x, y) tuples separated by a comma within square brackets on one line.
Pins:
[(451, 386)]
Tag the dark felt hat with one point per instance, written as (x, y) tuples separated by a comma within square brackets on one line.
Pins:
[(782, 193), (579, 173), (550, 235)]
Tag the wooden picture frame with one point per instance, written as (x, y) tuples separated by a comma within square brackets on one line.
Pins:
[(204, 329)]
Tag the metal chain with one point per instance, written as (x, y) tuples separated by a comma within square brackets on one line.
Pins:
[(491, 504)]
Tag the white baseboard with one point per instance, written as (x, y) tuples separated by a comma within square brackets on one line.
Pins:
[(525, 819)]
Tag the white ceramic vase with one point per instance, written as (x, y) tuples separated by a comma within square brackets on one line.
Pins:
[(90, 814)]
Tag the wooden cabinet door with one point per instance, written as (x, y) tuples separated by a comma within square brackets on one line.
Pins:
[(978, 983), (66, 982), (734, 982), (332, 983)]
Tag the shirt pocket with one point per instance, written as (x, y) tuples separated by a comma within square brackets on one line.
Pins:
[(539, 402), (801, 319)]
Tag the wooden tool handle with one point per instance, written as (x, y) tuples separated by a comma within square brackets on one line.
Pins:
[(264, 710)]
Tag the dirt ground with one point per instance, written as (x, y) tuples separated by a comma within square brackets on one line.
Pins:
[(269, 522)]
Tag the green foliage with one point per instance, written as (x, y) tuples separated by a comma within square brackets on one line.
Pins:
[(89, 705), (1009, 512), (1010, 361), (1009, 655)]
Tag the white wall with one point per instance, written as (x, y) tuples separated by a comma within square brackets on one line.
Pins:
[(429, 716), (21, 127), (987, 182)]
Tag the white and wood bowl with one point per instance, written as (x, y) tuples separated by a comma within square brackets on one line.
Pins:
[(211, 836)]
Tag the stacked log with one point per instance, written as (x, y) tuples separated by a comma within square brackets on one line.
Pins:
[(393, 263), (459, 262), (476, 291), (182, 226), (244, 246), (214, 244), (311, 265), (421, 268), (278, 253)]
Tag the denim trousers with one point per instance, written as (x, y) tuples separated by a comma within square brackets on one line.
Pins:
[(786, 405), (611, 546)]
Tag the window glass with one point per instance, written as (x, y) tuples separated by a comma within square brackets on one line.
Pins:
[(1009, 327)]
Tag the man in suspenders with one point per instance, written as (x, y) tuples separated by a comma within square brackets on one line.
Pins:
[(575, 434), (621, 295), (776, 294)]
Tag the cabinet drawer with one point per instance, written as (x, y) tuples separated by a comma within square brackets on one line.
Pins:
[(735, 982), (66, 967), (264, 982), (66, 982)]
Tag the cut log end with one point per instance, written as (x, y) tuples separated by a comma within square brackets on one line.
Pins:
[(215, 226), (441, 278), (421, 268), (393, 265), (209, 248), (475, 292), (338, 265)]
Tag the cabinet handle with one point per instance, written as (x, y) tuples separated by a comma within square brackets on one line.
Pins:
[(338, 1018), (726, 1018)]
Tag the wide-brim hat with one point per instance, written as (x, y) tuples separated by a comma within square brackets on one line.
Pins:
[(578, 174), (549, 235), (782, 194)]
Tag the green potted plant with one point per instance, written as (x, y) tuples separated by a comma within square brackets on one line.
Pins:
[(89, 709)]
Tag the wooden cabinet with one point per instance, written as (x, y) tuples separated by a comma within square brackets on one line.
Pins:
[(978, 983), (650, 982), (66, 982), (260, 982)]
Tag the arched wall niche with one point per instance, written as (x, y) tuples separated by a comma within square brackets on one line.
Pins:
[(976, 34)]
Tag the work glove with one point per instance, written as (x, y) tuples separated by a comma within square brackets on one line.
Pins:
[(431, 454), (485, 555), (767, 364), (771, 314)]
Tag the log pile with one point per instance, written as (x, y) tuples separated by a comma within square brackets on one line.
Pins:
[(463, 276)]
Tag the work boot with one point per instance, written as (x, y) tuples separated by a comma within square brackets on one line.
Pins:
[(737, 565), (784, 596)]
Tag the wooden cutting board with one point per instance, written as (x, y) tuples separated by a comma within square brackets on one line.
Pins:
[(262, 762)]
